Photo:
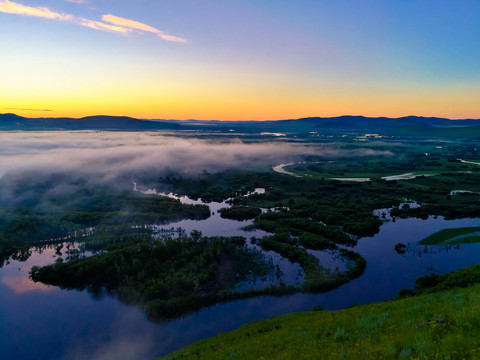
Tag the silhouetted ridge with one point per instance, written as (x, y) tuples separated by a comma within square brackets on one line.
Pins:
[(10, 116), (100, 122), (303, 127)]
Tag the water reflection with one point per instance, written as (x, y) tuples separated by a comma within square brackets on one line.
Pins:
[(15, 273), (58, 324), (287, 272), (20, 283)]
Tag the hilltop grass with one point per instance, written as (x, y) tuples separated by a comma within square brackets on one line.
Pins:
[(434, 326), (450, 236)]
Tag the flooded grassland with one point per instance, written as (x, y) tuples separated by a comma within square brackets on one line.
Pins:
[(249, 242)]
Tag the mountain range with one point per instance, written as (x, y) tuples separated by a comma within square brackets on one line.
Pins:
[(410, 125)]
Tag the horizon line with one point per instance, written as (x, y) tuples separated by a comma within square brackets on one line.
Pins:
[(242, 120)]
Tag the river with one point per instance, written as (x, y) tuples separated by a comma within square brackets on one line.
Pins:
[(45, 322)]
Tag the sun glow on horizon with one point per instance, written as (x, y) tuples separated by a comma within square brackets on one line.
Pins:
[(238, 61)]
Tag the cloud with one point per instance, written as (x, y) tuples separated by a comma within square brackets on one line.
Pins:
[(111, 156), (115, 24), (116, 20), (23, 109), (21, 284), (125, 347), (128, 339), (11, 7), (51, 166), (98, 25), (128, 23)]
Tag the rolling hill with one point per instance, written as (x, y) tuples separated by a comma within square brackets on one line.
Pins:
[(404, 126)]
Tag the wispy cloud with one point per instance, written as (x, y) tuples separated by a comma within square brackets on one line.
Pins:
[(110, 23), (11, 7), (12, 108), (98, 25), (132, 24), (128, 23)]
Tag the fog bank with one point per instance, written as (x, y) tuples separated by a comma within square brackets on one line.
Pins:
[(108, 155)]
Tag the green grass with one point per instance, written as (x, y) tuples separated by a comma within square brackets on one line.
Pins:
[(452, 236), (435, 326)]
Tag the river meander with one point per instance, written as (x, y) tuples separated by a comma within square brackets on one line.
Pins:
[(45, 322)]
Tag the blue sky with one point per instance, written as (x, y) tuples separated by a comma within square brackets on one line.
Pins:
[(247, 59)]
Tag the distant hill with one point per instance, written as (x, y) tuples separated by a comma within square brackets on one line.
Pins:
[(404, 126), (15, 122), (408, 125)]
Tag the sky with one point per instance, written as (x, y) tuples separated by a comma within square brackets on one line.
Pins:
[(240, 60)]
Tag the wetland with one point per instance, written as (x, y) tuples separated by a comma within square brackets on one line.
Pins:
[(213, 235)]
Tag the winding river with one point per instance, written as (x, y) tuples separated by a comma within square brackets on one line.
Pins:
[(45, 322)]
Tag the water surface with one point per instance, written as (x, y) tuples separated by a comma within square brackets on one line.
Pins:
[(45, 322)]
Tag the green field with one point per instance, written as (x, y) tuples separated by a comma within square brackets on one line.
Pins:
[(436, 326), (453, 236)]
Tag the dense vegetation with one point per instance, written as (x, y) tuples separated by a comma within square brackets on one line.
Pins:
[(240, 212)]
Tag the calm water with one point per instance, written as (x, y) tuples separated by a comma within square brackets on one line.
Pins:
[(44, 322)]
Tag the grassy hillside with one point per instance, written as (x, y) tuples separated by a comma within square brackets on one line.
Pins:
[(436, 326)]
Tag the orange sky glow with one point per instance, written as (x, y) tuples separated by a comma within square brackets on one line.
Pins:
[(245, 61)]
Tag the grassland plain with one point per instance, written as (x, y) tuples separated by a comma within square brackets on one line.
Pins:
[(443, 325)]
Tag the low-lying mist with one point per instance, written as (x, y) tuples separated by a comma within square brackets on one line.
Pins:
[(108, 155), (56, 163)]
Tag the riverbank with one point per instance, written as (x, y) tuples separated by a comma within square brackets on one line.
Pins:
[(443, 325)]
